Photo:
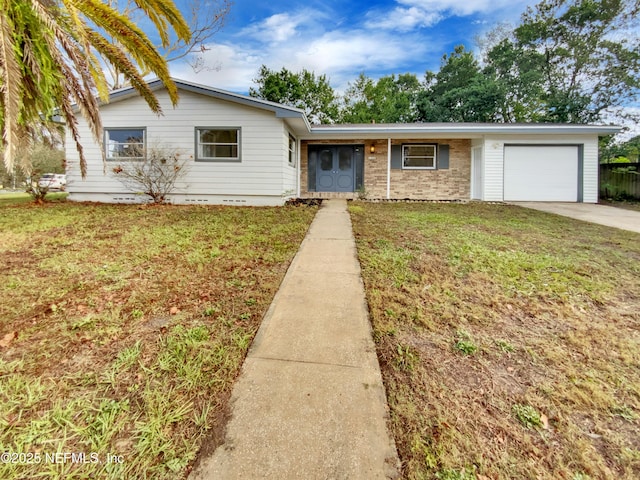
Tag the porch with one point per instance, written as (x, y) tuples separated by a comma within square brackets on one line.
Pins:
[(419, 169)]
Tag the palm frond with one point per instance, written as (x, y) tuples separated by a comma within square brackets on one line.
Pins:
[(51, 54), (72, 124), (76, 83), (10, 81), (132, 40), (163, 12), (117, 57)]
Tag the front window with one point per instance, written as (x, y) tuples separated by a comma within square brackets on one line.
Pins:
[(125, 143), (419, 156), (218, 144)]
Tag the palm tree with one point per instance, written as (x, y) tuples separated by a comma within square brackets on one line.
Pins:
[(51, 61)]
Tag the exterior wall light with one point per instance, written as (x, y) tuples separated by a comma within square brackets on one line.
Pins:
[(372, 149)]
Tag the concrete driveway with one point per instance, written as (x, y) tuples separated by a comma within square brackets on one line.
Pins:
[(589, 212)]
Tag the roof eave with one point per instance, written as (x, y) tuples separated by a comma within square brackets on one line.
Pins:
[(281, 111), (458, 129)]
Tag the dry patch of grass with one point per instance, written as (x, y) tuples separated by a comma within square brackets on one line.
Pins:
[(509, 340), (122, 329)]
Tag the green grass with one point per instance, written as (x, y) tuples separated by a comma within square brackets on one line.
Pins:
[(127, 326), (508, 340), (528, 416), (17, 198)]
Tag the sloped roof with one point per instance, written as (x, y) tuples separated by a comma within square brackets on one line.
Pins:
[(281, 111), (458, 129), (298, 119)]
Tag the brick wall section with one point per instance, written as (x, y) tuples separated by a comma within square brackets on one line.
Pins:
[(304, 170), (375, 170), (446, 184)]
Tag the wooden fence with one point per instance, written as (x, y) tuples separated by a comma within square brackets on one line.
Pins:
[(620, 180)]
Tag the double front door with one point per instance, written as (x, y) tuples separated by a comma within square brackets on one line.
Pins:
[(335, 168)]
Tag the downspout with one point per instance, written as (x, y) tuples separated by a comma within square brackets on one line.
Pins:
[(388, 168)]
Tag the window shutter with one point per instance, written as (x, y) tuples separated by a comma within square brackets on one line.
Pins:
[(443, 156), (396, 157), (311, 171)]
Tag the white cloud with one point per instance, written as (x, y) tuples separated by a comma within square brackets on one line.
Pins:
[(276, 28), (412, 14), (397, 40), (339, 55), (360, 49), (404, 19), (228, 67), (461, 7), (283, 27)]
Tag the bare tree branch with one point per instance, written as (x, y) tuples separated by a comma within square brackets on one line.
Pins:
[(156, 175), (205, 18)]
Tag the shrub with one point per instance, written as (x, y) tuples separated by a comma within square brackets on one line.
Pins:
[(155, 176)]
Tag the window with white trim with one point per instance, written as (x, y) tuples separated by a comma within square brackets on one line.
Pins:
[(419, 156), (125, 143), (217, 144), (292, 151)]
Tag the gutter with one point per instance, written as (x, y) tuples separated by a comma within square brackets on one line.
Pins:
[(463, 129)]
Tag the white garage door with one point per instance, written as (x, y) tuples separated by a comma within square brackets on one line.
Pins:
[(543, 173)]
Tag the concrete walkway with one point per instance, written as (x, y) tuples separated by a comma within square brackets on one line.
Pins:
[(589, 212), (310, 403)]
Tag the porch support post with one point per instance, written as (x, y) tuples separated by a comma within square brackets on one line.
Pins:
[(298, 167), (388, 168)]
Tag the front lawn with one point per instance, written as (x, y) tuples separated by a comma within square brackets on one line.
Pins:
[(15, 198), (122, 329), (509, 340)]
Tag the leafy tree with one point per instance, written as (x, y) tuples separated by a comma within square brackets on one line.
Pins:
[(391, 99), (611, 151), (569, 61), (44, 158), (357, 105), (302, 90), (51, 55), (518, 79), (631, 149), (459, 91)]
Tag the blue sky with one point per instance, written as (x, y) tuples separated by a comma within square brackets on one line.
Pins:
[(342, 38)]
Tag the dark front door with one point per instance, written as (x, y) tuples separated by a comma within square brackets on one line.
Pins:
[(335, 169)]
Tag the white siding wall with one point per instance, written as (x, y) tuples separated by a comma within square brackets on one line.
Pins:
[(259, 178), (477, 143), (493, 170), (494, 161), (590, 183)]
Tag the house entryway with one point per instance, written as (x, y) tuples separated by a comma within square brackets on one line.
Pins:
[(335, 168)]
